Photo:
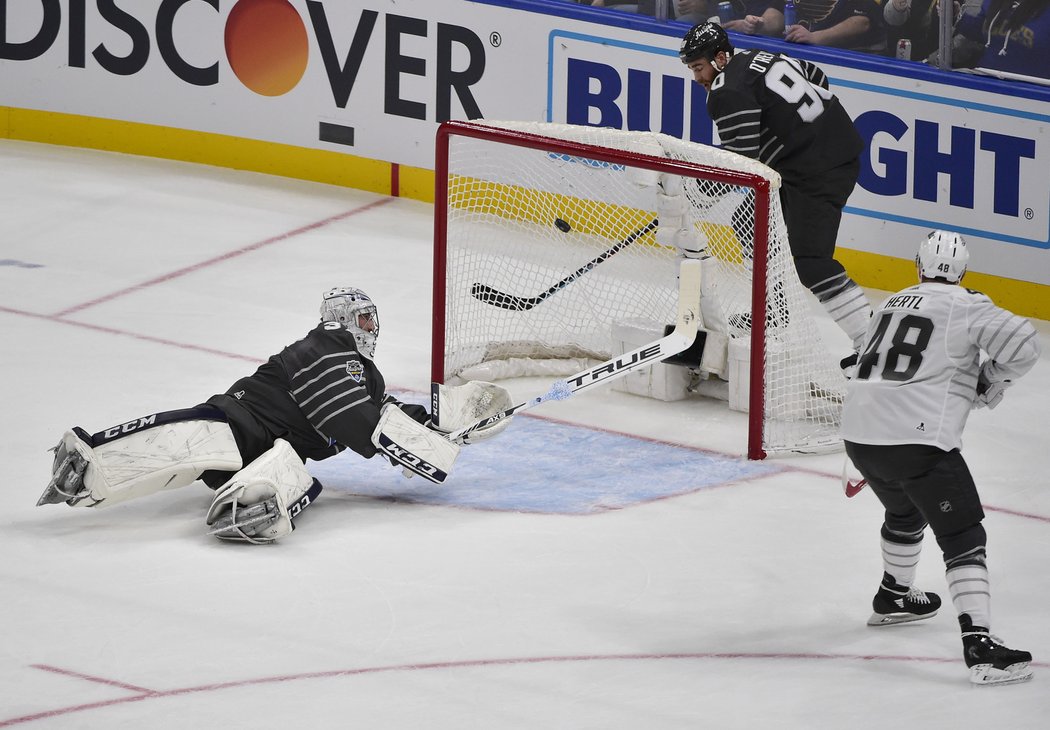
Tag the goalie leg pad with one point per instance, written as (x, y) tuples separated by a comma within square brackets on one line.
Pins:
[(413, 446), (453, 407), (258, 503), (144, 462)]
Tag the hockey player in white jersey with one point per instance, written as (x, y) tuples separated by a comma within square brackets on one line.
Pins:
[(933, 352)]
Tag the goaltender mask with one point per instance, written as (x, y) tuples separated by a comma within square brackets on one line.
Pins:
[(312, 400)]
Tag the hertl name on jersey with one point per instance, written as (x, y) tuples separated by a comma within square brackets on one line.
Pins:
[(904, 301)]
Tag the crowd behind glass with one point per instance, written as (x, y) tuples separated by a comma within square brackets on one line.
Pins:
[(1006, 38)]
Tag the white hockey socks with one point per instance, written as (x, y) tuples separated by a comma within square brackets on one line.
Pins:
[(971, 593), (900, 558), (851, 311)]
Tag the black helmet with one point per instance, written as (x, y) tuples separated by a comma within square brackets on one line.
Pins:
[(704, 41)]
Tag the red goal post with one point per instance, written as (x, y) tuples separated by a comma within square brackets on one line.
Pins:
[(547, 236)]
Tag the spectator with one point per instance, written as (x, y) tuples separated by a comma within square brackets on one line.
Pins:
[(916, 20), (1015, 34), (852, 24), (757, 17), (695, 11), (626, 7), (688, 11)]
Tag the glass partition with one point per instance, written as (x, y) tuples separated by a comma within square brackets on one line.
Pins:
[(1008, 39)]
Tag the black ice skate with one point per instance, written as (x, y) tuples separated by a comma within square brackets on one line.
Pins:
[(895, 604), (67, 472), (989, 661)]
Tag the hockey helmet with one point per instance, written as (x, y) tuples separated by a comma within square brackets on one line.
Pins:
[(942, 255), (355, 310), (704, 41)]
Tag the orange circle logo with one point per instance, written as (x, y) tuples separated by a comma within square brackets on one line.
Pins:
[(266, 45)]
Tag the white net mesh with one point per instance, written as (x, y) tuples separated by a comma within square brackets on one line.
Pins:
[(522, 287)]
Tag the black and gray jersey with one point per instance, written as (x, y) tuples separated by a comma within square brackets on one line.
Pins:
[(319, 394), (778, 110)]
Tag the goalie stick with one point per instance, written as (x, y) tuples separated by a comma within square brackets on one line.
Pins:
[(688, 321), (485, 293)]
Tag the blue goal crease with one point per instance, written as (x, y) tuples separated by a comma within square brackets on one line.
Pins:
[(548, 468)]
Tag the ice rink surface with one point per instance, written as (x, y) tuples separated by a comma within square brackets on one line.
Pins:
[(608, 562)]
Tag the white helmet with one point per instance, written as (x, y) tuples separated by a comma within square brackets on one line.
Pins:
[(353, 309), (942, 255)]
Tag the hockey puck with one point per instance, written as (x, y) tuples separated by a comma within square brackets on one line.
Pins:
[(562, 225)]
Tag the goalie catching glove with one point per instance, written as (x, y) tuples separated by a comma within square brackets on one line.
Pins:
[(454, 407)]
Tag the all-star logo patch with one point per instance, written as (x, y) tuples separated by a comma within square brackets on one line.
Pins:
[(355, 370)]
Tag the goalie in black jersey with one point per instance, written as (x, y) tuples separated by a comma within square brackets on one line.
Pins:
[(779, 111), (315, 398)]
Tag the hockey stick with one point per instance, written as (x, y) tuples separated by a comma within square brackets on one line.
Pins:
[(853, 488), (850, 487), (680, 338), (485, 293)]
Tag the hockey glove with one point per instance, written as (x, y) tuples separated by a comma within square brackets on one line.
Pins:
[(412, 446), (849, 365), (989, 394), (454, 407)]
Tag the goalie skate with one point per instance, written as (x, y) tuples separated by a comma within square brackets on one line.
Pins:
[(67, 474), (247, 522)]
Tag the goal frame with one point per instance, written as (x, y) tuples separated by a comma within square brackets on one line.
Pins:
[(761, 186)]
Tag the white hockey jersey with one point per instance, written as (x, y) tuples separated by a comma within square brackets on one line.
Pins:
[(916, 378)]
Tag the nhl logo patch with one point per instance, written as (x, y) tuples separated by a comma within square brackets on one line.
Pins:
[(355, 370)]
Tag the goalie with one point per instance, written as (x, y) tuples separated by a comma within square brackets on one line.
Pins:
[(315, 398)]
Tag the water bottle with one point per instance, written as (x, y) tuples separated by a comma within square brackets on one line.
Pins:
[(789, 13), (725, 12)]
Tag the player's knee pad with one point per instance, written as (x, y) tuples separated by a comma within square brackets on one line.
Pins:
[(966, 547), (901, 516), (258, 503), (164, 457)]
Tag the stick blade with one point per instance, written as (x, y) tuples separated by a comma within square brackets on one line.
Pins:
[(852, 489), (488, 295)]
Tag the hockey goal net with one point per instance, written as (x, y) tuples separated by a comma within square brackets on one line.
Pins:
[(549, 235)]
